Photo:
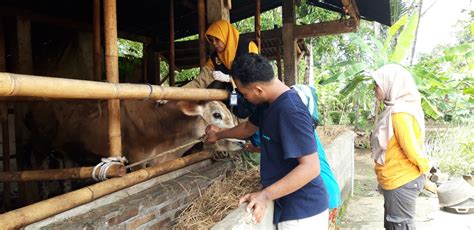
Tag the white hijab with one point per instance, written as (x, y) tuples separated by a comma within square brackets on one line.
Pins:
[(400, 95)]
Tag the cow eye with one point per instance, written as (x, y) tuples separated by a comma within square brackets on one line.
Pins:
[(217, 116)]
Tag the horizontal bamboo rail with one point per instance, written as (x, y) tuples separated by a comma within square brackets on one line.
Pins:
[(116, 170), (38, 86), (44, 209)]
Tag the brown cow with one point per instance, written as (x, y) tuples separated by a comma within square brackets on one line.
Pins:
[(147, 130)]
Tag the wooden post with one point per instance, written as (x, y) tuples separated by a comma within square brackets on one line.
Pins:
[(257, 26), (6, 160), (111, 67), (278, 59), (3, 63), (216, 10), (171, 57), (289, 42), (96, 46), (201, 7), (116, 170), (149, 56), (5, 130), (46, 208), (50, 87), (28, 192)]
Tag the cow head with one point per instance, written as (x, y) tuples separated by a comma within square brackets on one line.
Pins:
[(216, 113)]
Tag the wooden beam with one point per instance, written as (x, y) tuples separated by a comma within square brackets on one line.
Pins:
[(289, 42), (201, 6), (325, 28), (51, 87), (172, 67), (67, 23), (350, 8), (111, 70), (96, 49)]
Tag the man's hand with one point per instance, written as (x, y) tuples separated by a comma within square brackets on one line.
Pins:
[(211, 133), (257, 201), (220, 76)]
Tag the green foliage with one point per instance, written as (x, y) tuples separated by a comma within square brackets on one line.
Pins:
[(451, 148), (352, 117), (335, 117), (405, 40), (127, 48)]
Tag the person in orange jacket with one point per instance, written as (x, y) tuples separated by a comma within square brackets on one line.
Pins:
[(397, 145), (228, 46)]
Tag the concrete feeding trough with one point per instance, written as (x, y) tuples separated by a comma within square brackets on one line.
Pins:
[(340, 155)]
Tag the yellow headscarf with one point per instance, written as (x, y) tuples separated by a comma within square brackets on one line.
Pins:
[(229, 35)]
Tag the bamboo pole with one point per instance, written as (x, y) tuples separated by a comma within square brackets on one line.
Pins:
[(172, 67), (116, 170), (96, 46), (258, 34), (41, 210), (38, 86), (201, 7), (111, 61)]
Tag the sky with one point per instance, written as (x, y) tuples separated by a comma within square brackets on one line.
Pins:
[(437, 25)]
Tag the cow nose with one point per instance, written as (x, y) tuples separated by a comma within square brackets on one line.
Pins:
[(237, 141)]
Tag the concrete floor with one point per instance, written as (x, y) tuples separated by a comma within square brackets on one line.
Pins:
[(365, 208)]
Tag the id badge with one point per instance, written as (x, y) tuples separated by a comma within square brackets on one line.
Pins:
[(233, 98)]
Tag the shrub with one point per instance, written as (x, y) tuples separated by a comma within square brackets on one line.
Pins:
[(335, 117), (352, 117)]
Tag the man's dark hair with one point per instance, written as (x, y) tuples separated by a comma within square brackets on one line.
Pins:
[(250, 68)]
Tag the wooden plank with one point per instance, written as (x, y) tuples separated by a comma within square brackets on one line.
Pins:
[(216, 10), (289, 42), (325, 28)]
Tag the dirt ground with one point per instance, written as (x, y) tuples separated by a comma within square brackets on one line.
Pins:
[(365, 208)]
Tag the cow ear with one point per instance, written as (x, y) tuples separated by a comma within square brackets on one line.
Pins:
[(191, 108)]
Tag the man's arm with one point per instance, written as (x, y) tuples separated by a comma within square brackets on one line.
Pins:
[(241, 131), (307, 169)]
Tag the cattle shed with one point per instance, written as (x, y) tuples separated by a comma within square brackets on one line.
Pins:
[(67, 50)]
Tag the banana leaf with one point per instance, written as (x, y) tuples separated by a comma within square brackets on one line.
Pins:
[(349, 69), (393, 30), (430, 109), (352, 85), (405, 40)]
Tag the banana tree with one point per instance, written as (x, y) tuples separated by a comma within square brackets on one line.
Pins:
[(394, 49)]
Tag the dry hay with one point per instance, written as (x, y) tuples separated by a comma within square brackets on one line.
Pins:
[(328, 133), (219, 199)]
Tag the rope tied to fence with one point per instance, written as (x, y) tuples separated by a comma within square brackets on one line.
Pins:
[(201, 139), (104, 166)]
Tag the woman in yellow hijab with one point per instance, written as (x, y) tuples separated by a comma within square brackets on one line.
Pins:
[(225, 39)]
